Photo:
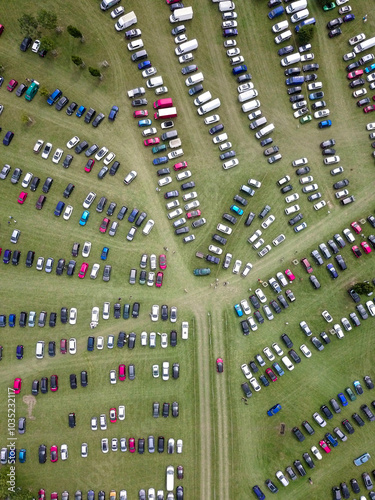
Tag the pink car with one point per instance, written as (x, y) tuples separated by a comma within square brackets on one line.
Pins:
[(324, 446), (357, 228), (365, 247), (290, 275), (162, 261)]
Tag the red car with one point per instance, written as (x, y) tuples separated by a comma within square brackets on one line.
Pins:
[(365, 247), (104, 225), (140, 112), (194, 213), (163, 261), (122, 372), (368, 109), (90, 163), (354, 74), (54, 453), (113, 415), (306, 263), (63, 345), (357, 252), (12, 85), (159, 279), (54, 496), (219, 365), (357, 228), (83, 270), (41, 495), (152, 141), (22, 197), (290, 275), (181, 165), (54, 383), (271, 374), (132, 445), (324, 446), (17, 385)]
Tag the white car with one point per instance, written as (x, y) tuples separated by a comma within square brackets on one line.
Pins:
[(165, 180), (183, 175), (72, 345), (106, 310), (149, 225), (36, 45), (292, 209), (305, 351), (246, 371), (211, 119), (360, 92), (258, 244), (215, 249), (185, 330), (173, 314), (86, 249), (321, 113), (300, 112), (190, 196), (248, 267), (291, 198), (143, 339), (356, 39), (151, 278), (277, 349), (266, 223), (371, 307), (165, 372), (64, 451), (252, 323), (349, 56), (27, 179), (230, 43), (38, 145), (268, 353), (346, 324), (121, 412), (149, 131), (259, 293), (341, 2), (327, 316), (307, 57), (319, 205), (371, 78), (95, 315), (164, 340), (103, 422), (180, 38), (112, 376), (254, 183), (225, 145), (316, 453), (73, 142), (99, 342), (94, 271), (314, 86), (109, 158), (179, 445), (118, 11), (280, 476), (94, 424), (84, 450), (73, 316), (245, 306), (149, 72), (101, 153), (237, 266), (254, 383), (110, 341), (289, 365), (57, 155), (233, 52), (319, 420), (67, 212), (155, 371), (298, 105), (161, 90), (189, 206), (370, 126), (155, 312)]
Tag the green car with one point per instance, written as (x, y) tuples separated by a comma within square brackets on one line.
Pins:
[(305, 119), (329, 6), (350, 394), (157, 149), (202, 271)]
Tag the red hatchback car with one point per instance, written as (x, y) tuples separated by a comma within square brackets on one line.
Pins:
[(41, 495), (113, 415), (83, 270), (22, 197), (140, 113), (368, 109), (132, 445), (365, 247), (159, 279), (163, 261), (104, 225), (54, 383), (17, 385), (271, 374), (12, 85), (290, 275), (90, 163), (357, 228), (194, 213), (354, 74), (122, 372)]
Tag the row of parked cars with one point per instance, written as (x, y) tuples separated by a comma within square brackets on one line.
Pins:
[(30, 319)]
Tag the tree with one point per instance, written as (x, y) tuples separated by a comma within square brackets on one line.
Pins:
[(26, 119), (306, 34), (44, 92), (28, 25), (94, 71), (47, 43), (363, 288), (47, 20), (74, 32), (77, 60)]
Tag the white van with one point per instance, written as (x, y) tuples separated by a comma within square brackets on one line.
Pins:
[(185, 47), (283, 37), (291, 59), (281, 26), (298, 16), (169, 483), (155, 81), (246, 96), (193, 79), (135, 45), (202, 98), (209, 106), (250, 106), (39, 351), (265, 131), (296, 6), (226, 6)]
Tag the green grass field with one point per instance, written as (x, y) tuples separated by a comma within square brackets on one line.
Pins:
[(228, 446)]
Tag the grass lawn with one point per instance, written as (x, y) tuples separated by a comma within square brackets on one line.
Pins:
[(228, 446)]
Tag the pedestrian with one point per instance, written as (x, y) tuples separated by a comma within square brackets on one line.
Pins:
[(8, 221), (365, 18), (119, 299), (310, 480)]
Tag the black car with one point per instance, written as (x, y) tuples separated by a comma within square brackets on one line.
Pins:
[(60, 267), (160, 444), (366, 410), (327, 412), (61, 103), (165, 410), (26, 42), (111, 208), (302, 170), (164, 312), (358, 420), (34, 183), (84, 379), (227, 154), (311, 78), (308, 427), (35, 388), (64, 315), (173, 338), (316, 342), (335, 32), (245, 327), (16, 257), (253, 367), (249, 219), (44, 385), (259, 317), (329, 152), (287, 341), (340, 184), (294, 90), (219, 239), (117, 310), (142, 216), (356, 83), (265, 142), (67, 161), (71, 108), (295, 219), (121, 340), (101, 204), (334, 23), (230, 218), (42, 454), (216, 129), (68, 190), (371, 220), (163, 171), (296, 98), (286, 189), (71, 268), (52, 319), (175, 370), (122, 212), (264, 212), (275, 306), (135, 309), (30, 258), (73, 381), (369, 383), (292, 353), (187, 185), (298, 434), (355, 486), (51, 348), (211, 258), (292, 71), (288, 49), (90, 115), (308, 460), (82, 146), (310, 67), (72, 420), (271, 486), (21, 90), (282, 301), (345, 490), (254, 300), (325, 337), (131, 340), (328, 143), (47, 185), (297, 464), (98, 120)]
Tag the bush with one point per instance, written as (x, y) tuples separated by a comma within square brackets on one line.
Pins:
[(363, 288), (306, 34), (74, 32), (77, 60), (94, 71)]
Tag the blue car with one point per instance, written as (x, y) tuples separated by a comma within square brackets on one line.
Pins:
[(239, 69), (145, 123), (236, 209), (7, 256), (84, 218), (370, 68), (348, 17), (275, 409), (342, 399), (259, 493), (238, 310), (22, 456), (276, 12), (59, 208), (362, 459), (160, 161), (54, 97), (332, 270), (19, 352), (12, 320), (278, 368), (8, 138), (325, 124), (331, 439), (104, 254), (80, 111), (113, 113), (316, 95), (264, 380), (144, 65), (133, 215)]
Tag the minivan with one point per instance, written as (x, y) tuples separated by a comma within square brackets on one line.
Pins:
[(135, 44), (139, 56), (206, 96), (276, 12), (39, 351), (283, 37), (250, 105), (258, 123), (298, 16)]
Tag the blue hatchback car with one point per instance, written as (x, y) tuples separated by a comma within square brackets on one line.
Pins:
[(160, 161), (84, 218), (22, 456), (144, 65), (331, 439), (19, 352), (239, 69), (342, 399), (133, 215), (12, 320), (7, 256), (325, 124), (278, 368), (275, 409), (104, 254), (113, 113), (259, 493), (8, 138), (59, 208), (145, 123), (238, 310), (332, 270), (80, 111), (370, 68), (236, 209)]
